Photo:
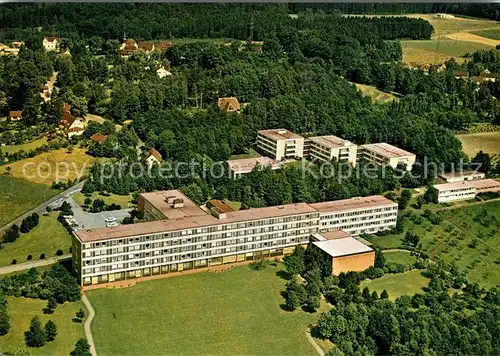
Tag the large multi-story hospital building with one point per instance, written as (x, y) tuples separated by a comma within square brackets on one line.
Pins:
[(188, 237)]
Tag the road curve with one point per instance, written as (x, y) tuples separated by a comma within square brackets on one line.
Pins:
[(88, 321)]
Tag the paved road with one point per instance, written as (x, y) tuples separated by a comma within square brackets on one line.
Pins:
[(41, 208), (31, 264), (86, 326)]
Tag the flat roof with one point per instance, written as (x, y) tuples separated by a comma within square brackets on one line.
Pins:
[(279, 134), (455, 185), (248, 164), (461, 174), (159, 201), (331, 141), (353, 204), (342, 247), (204, 220), (336, 234), (485, 183), (387, 150)]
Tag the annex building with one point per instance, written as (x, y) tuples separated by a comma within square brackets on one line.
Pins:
[(326, 148), (386, 154), (465, 190), (182, 236)]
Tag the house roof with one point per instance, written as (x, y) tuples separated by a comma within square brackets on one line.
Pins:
[(74, 129), (461, 73), (146, 46), (342, 247), (387, 150), (98, 138), (331, 141), (155, 154), (455, 185), (130, 42), (15, 113), (279, 134), (52, 39), (225, 103), (67, 118), (245, 165), (164, 45), (336, 234), (482, 184)]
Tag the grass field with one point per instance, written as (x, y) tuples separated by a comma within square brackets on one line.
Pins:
[(25, 146), (122, 200), (460, 239), (46, 167), (403, 257), (377, 96), (21, 310), (48, 237), (488, 142), (493, 34), (409, 283), (251, 153), (236, 312), (18, 196), (434, 51)]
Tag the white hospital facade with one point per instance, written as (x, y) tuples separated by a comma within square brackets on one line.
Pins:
[(188, 237)]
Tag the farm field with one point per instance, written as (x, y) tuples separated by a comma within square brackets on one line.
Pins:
[(493, 34), (377, 96), (467, 236), (19, 196), (409, 283), (434, 51), (488, 142), (122, 200), (21, 310), (25, 146), (48, 237), (46, 167), (236, 312)]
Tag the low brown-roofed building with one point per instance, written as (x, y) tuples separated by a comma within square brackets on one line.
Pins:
[(461, 176), (486, 186), (229, 104), (146, 46), (246, 165), (219, 204), (164, 45), (15, 115), (461, 74), (98, 138)]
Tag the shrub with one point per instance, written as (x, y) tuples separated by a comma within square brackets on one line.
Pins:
[(42, 256), (29, 257), (14, 261), (59, 253)]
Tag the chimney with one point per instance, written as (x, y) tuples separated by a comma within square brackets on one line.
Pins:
[(170, 199), (218, 213), (178, 203)]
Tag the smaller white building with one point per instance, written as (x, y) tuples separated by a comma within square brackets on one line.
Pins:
[(386, 154), (461, 176), (457, 191), (154, 157), (51, 43), (280, 144), (246, 165), (162, 72)]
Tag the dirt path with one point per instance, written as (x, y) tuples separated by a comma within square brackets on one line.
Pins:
[(313, 342), (33, 264), (86, 326)]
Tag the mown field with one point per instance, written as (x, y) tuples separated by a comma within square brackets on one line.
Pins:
[(25, 146), (488, 142), (48, 237), (467, 236), (47, 167), (236, 312), (377, 96), (407, 283), (436, 51), (19, 196), (494, 34), (21, 310)]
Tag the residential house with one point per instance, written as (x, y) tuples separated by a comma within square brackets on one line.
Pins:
[(147, 47), (163, 46), (460, 74), (71, 125), (51, 43), (229, 104), (161, 71), (128, 47), (154, 157), (99, 138), (15, 115), (488, 76)]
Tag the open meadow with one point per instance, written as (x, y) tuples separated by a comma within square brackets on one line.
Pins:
[(236, 312), (47, 237), (467, 236), (488, 142), (396, 285), (19, 196), (21, 310), (47, 167), (25, 146), (377, 95)]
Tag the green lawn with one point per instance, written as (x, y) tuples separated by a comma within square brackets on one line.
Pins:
[(460, 239), (403, 257), (492, 33), (19, 196), (122, 200), (410, 282), (251, 153), (25, 146), (236, 312), (21, 310), (48, 237)]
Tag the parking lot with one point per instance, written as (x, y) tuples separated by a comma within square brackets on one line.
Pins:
[(87, 220)]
